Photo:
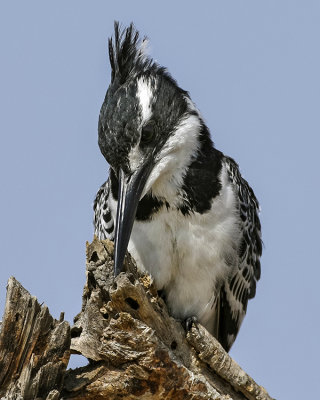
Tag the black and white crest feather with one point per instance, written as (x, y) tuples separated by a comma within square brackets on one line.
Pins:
[(126, 53), (195, 226)]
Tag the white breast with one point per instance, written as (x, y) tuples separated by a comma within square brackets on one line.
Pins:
[(186, 254)]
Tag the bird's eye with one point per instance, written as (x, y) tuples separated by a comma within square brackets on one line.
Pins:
[(148, 132)]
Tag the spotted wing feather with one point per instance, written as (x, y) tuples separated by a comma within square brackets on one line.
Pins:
[(103, 220), (241, 286)]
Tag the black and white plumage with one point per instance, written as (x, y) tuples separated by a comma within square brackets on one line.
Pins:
[(179, 205)]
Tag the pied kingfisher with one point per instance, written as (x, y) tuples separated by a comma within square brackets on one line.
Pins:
[(177, 203)]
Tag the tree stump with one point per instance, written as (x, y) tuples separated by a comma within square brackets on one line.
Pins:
[(135, 348), (34, 348)]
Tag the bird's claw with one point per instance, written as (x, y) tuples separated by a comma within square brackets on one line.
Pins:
[(187, 323)]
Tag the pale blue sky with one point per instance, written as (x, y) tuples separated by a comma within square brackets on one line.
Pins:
[(252, 67)]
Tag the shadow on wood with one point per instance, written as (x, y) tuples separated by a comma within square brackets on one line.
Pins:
[(136, 350)]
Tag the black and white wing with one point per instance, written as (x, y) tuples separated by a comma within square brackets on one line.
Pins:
[(241, 286), (103, 220)]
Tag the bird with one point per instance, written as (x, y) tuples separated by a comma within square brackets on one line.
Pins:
[(174, 201)]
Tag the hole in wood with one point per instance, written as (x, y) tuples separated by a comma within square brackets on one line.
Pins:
[(94, 257), (174, 345), (76, 332), (131, 278), (91, 281), (105, 315), (132, 303)]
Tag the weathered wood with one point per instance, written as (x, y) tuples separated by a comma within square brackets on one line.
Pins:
[(34, 348), (211, 352), (138, 350), (135, 348)]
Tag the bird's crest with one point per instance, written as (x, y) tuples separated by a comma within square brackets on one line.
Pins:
[(127, 54)]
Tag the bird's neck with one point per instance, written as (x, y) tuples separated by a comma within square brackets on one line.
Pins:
[(190, 189), (201, 183)]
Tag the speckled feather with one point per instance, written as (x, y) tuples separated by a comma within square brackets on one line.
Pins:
[(241, 286)]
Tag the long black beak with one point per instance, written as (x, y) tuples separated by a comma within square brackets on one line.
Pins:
[(130, 190)]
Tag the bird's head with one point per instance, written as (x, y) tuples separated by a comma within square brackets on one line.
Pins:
[(148, 131)]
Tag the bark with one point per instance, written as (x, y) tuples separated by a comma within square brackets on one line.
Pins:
[(34, 348), (136, 350)]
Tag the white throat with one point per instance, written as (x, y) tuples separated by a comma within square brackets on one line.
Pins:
[(172, 162), (178, 152)]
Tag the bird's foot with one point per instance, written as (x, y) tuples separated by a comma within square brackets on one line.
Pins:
[(187, 323)]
